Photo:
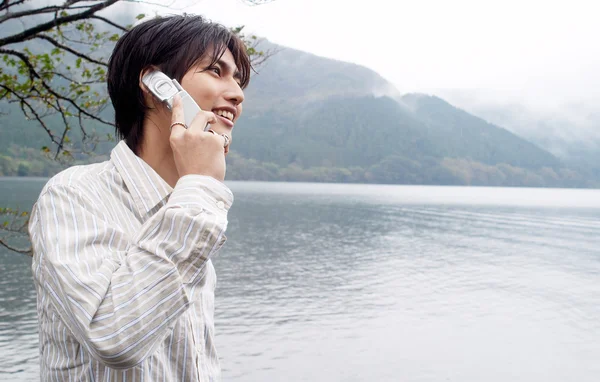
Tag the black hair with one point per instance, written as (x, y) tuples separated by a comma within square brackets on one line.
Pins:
[(173, 44)]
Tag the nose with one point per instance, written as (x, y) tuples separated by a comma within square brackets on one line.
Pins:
[(235, 94)]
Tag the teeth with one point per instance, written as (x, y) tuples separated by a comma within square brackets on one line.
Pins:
[(225, 114)]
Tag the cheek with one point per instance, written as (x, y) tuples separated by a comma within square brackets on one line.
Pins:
[(201, 88), (207, 99)]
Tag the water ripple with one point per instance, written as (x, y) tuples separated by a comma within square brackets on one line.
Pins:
[(386, 283)]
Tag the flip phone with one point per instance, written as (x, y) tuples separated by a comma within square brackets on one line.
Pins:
[(165, 88)]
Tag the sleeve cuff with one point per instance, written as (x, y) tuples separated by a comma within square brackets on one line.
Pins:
[(202, 192)]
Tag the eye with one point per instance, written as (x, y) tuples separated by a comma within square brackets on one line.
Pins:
[(215, 70)]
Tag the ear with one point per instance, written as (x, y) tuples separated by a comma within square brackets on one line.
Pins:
[(142, 74), (148, 97)]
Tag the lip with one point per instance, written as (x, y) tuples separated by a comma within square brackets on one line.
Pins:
[(225, 121)]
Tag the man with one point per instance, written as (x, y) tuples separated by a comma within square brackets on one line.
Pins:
[(122, 248)]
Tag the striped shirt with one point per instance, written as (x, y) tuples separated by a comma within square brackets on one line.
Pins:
[(125, 284)]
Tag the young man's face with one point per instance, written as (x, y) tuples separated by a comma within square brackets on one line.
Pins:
[(216, 89)]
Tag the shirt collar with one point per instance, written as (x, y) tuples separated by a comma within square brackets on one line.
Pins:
[(146, 187)]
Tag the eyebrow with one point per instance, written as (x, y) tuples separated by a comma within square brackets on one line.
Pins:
[(236, 72)]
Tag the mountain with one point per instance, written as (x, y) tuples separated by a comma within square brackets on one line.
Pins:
[(307, 118), (465, 135), (293, 77), (570, 131)]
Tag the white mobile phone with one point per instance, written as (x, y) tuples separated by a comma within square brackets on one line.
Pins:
[(165, 88)]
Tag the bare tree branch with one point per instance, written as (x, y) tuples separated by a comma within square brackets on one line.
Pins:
[(34, 74), (23, 102), (6, 3), (258, 61), (18, 230), (82, 42), (64, 134), (28, 252), (59, 74), (58, 107), (85, 134), (70, 50), (23, 57), (79, 108), (109, 22), (29, 12), (31, 32)]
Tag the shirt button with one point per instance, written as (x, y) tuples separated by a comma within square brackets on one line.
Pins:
[(220, 204)]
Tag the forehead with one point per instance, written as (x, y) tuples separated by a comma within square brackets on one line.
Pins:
[(227, 58)]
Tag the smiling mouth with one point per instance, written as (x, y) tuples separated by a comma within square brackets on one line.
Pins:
[(225, 114)]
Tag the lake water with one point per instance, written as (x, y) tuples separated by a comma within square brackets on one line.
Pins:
[(322, 282)]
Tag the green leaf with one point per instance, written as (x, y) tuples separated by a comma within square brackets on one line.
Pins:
[(140, 16)]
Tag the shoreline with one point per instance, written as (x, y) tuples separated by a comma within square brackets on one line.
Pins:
[(41, 178)]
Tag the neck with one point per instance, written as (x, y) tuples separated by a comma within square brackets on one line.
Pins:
[(156, 149)]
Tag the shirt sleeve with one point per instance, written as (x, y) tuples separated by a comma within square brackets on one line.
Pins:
[(122, 303)]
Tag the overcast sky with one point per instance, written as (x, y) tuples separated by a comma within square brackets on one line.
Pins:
[(544, 53)]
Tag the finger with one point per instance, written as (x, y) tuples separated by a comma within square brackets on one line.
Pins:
[(227, 146), (201, 120), (177, 114), (227, 141), (226, 138)]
